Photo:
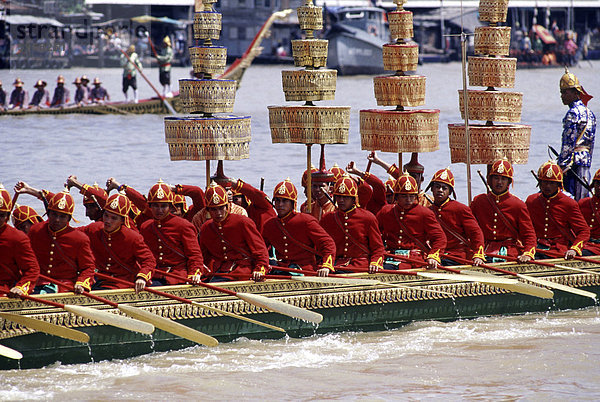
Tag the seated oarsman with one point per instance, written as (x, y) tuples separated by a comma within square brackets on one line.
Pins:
[(254, 201), (410, 229), (504, 218), (94, 198), (24, 217), (203, 215), (171, 239), (413, 168), (19, 268), (62, 251), (320, 203), (118, 250), (378, 197), (232, 246), (41, 97), (464, 238), (557, 220), (354, 230), (590, 209), (297, 239), (139, 203), (180, 191)]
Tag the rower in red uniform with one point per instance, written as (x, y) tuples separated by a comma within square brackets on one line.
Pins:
[(180, 191), (298, 239), (137, 200), (231, 244), (504, 218), (24, 217), (255, 202), (171, 239), (94, 197), (62, 251), (410, 229), (378, 197), (19, 268), (464, 238), (590, 209), (557, 220), (354, 230), (320, 204), (118, 250)]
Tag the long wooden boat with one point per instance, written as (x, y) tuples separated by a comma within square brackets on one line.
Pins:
[(344, 308)]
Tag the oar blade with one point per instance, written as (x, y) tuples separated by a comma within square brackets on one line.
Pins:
[(46, 327), (469, 278), (115, 320), (169, 325), (10, 353), (281, 307), (336, 280), (559, 286), (518, 287), (239, 317)]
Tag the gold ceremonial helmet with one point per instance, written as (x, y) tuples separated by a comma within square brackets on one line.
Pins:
[(569, 80), (167, 41)]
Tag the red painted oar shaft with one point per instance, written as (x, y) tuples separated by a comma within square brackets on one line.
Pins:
[(72, 289), (467, 262), (351, 269), (205, 285), (514, 259), (421, 263), (48, 302)]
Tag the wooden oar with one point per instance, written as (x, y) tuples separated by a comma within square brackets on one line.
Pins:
[(456, 274), (558, 255), (544, 282), (520, 287), (216, 310), (586, 259), (166, 324), (100, 316), (311, 276), (46, 327), (162, 98), (10, 353), (260, 301)]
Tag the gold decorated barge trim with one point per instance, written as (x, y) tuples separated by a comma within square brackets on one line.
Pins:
[(302, 294), (492, 105), (310, 52), (492, 41), (309, 124), (493, 11), (208, 60), (492, 72), (207, 96), (490, 143), (207, 25), (400, 57), (309, 85), (407, 90), (400, 131), (401, 24)]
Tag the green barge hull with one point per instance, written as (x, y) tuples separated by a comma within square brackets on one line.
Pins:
[(344, 308)]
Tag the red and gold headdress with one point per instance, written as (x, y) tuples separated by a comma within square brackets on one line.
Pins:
[(216, 196), (160, 192), (5, 200), (337, 171), (502, 167), (287, 190), (444, 176), (23, 213), (91, 200), (305, 175), (550, 171), (118, 204), (406, 184), (62, 202)]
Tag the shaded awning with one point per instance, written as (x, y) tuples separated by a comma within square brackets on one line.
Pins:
[(30, 19), (544, 34)]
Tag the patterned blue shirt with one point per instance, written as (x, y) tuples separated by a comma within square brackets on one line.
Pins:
[(573, 152)]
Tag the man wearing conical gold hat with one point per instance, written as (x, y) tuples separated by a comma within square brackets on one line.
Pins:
[(164, 58), (579, 131), (130, 64)]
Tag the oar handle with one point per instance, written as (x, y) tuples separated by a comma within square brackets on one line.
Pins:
[(421, 263), (48, 302), (87, 294), (508, 258), (205, 285), (467, 262)]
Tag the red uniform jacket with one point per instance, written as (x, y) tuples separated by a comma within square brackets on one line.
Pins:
[(121, 253), (590, 209), (65, 255), (495, 231), (318, 211), (99, 195), (357, 238), (174, 246), (457, 218), (419, 222), (365, 192), (141, 203), (558, 222), (18, 264), (299, 239), (197, 196), (260, 209), (378, 199), (233, 246)]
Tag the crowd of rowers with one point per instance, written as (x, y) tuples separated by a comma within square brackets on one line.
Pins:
[(356, 223), (61, 97)]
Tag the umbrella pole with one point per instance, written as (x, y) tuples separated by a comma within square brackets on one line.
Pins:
[(308, 178)]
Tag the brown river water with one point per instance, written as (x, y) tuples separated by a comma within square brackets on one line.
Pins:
[(550, 356)]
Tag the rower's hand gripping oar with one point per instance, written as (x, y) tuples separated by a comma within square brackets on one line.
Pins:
[(166, 324), (183, 300), (261, 301), (553, 254), (544, 282), (103, 317), (46, 327)]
